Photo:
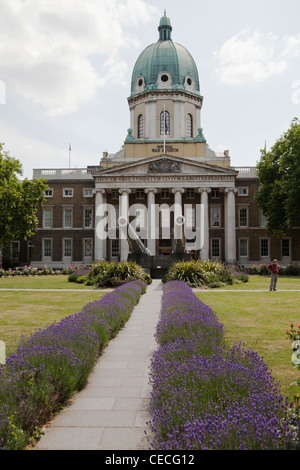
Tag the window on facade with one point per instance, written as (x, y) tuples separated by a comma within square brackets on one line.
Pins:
[(87, 247), (15, 250), (87, 192), (215, 248), (140, 127), (190, 193), (88, 218), (215, 193), (47, 248), (285, 247), (190, 217), (68, 216), (262, 220), (48, 192), (115, 248), (47, 218), (243, 217), (215, 217), (189, 126), (140, 218), (164, 123), (165, 193), (115, 194), (67, 248), (68, 192), (243, 191), (140, 194), (264, 247), (243, 247)]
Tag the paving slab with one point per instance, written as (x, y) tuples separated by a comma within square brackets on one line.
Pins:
[(112, 411)]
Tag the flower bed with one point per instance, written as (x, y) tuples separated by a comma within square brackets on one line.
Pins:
[(44, 271), (262, 270), (204, 394), (54, 363)]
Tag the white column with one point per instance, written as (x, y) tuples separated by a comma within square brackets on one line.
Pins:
[(123, 212), (230, 231), (178, 216), (151, 222), (100, 234), (204, 253)]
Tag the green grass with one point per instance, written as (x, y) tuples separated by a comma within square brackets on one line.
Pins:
[(22, 312), (40, 282), (259, 321)]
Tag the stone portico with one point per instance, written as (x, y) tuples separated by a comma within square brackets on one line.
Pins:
[(178, 176)]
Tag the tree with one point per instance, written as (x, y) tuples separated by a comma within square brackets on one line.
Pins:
[(18, 201), (279, 178)]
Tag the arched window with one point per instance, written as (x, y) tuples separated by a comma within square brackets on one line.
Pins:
[(164, 123), (140, 126), (189, 126)]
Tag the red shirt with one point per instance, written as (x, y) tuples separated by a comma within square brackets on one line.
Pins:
[(274, 268)]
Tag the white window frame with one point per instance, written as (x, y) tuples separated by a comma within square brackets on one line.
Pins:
[(260, 248), (48, 210), (65, 209), (46, 256), (85, 210), (84, 248), (243, 191), (243, 256), (212, 224), (87, 192), (245, 225), (49, 192), (67, 256), (68, 192)]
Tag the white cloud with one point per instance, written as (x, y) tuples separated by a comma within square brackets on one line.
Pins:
[(58, 53), (255, 57)]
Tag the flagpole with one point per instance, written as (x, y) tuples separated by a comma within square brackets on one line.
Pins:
[(69, 155), (164, 129)]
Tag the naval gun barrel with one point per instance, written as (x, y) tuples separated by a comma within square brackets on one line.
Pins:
[(134, 241)]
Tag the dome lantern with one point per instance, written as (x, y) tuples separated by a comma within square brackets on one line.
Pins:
[(165, 28)]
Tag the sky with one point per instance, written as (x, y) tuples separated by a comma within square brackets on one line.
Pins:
[(66, 65)]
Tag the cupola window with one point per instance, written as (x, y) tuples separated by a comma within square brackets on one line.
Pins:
[(164, 123), (189, 126), (140, 126)]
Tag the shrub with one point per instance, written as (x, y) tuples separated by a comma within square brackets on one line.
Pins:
[(198, 273), (110, 274), (53, 363), (205, 395)]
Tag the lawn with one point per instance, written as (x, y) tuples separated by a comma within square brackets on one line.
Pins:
[(259, 321), (22, 312)]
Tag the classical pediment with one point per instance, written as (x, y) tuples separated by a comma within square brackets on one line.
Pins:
[(164, 165)]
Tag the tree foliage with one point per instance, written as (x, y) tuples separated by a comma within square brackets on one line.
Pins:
[(18, 200), (279, 177)]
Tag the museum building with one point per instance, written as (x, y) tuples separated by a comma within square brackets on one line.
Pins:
[(165, 184)]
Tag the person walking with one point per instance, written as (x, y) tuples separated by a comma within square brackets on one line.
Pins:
[(273, 268)]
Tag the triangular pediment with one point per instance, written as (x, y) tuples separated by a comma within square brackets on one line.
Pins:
[(165, 165)]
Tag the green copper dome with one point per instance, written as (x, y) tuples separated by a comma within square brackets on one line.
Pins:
[(165, 56)]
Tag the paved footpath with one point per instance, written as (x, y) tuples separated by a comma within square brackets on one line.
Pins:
[(111, 412)]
